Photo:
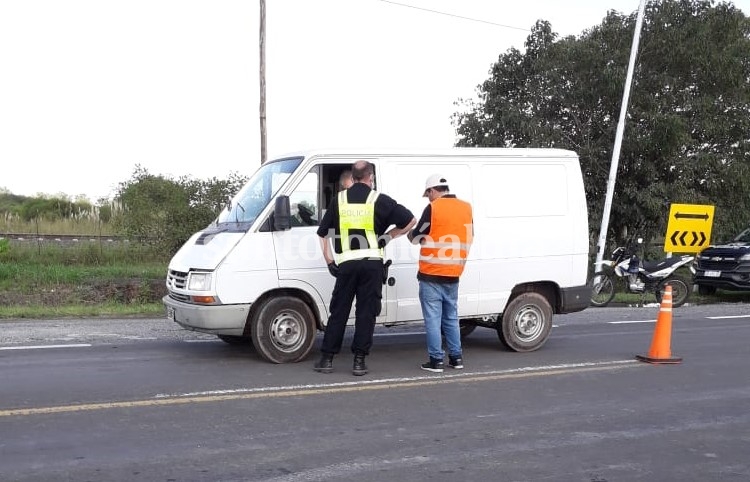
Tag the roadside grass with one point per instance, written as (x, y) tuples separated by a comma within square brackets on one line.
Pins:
[(728, 297), (31, 277), (103, 310), (27, 267), (48, 280), (78, 253), (638, 299), (721, 296)]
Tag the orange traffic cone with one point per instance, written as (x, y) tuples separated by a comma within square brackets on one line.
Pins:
[(660, 352)]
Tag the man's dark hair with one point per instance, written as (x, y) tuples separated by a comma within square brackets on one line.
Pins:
[(361, 170)]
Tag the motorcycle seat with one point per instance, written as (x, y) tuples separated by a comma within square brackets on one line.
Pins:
[(652, 266)]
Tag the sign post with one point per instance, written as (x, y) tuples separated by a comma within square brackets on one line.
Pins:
[(689, 228)]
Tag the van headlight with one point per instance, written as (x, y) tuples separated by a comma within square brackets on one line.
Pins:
[(199, 281), (745, 257)]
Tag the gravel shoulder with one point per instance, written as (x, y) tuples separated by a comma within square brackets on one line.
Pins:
[(87, 330)]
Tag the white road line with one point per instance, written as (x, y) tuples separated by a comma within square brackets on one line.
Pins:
[(727, 317), (420, 332), (405, 333), (41, 347), (382, 381), (322, 389)]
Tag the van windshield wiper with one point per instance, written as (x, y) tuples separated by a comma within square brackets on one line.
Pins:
[(236, 218)]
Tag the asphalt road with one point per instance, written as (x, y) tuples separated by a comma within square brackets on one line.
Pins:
[(142, 400)]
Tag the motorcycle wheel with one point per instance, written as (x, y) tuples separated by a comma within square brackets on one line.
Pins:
[(602, 289), (681, 289)]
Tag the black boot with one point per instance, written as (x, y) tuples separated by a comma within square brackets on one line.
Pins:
[(359, 367), (325, 364)]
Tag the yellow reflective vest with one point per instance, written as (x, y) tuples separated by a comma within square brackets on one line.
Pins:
[(360, 217)]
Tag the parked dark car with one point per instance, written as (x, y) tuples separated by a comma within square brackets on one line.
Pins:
[(725, 266)]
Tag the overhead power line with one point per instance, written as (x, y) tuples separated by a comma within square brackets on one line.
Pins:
[(456, 16)]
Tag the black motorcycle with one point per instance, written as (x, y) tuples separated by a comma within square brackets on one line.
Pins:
[(640, 276)]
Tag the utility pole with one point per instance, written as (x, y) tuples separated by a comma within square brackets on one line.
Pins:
[(618, 141), (262, 43)]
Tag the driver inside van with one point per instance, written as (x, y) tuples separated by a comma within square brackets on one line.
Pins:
[(303, 215)]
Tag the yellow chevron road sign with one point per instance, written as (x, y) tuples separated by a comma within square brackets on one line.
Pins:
[(688, 228)]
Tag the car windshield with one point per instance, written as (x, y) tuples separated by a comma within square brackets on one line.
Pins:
[(255, 195)]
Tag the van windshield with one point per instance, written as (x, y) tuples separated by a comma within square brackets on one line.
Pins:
[(255, 195)]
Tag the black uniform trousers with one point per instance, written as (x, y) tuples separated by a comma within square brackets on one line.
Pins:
[(362, 278)]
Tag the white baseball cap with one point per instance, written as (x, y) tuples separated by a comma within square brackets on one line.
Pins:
[(435, 180)]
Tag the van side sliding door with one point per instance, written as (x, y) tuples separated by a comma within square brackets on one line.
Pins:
[(404, 180)]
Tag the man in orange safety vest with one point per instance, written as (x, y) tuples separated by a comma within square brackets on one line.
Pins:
[(444, 233)]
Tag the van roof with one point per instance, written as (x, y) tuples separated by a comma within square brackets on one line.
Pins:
[(433, 152)]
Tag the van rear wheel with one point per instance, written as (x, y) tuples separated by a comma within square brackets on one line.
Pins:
[(283, 330), (526, 322)]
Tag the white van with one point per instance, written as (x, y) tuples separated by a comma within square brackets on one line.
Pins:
[(257, 273)]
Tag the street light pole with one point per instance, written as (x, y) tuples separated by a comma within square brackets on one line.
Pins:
[(262, 44), (618, 141)]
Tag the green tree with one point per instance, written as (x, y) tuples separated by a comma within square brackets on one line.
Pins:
[(165, 212), (11, 203), (685, 138), (212, 194), (105, 212), (155, 211)]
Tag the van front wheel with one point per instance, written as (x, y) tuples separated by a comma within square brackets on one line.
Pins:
[(283, 330), (526, 323)]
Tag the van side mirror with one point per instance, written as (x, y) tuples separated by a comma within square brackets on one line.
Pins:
[(282, 214)]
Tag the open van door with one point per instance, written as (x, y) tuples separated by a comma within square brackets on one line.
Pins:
[(299, 258)]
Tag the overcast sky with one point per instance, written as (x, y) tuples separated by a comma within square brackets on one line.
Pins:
[(91, 88)]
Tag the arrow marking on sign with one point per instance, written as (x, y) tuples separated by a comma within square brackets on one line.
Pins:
[(679, 238), (703, 216)]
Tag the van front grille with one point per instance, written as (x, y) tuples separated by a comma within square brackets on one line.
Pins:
[(176, 280), (179, 297)]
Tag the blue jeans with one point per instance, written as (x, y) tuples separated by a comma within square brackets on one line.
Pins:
[(440, 311)]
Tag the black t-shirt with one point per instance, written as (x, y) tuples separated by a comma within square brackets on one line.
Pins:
[(387, 213)]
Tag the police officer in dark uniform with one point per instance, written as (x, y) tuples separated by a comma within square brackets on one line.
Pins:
[(357, 219)]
